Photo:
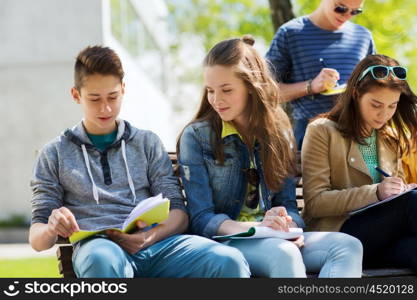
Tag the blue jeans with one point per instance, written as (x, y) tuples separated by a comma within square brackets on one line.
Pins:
[(176, 256), (300, 126), (330, 254)]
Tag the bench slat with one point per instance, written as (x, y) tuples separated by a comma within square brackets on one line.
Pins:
[(388, 272)]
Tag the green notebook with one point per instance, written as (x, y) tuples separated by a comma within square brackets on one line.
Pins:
[(259, 232), (151, 210)]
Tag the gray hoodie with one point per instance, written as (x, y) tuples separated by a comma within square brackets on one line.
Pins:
[(102, 187)]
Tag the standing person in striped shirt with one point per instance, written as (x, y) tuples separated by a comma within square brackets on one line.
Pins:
[(313, 53)]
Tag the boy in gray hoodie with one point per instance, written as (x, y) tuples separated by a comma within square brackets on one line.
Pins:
[(93, 175)]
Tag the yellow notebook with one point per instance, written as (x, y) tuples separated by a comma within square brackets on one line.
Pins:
[(151, 210), (338, 89)]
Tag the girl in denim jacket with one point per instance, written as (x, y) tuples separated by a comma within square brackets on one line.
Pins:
[(236, 160)]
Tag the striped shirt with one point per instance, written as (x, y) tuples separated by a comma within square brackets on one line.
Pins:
[(295, 54)]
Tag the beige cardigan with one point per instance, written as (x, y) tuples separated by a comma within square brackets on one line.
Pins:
[(336, 179)]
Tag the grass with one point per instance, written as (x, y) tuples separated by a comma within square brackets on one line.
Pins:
[(19, 221), (29, 268)]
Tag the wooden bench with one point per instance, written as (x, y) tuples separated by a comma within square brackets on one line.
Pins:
[(64, 256), (65, 250)]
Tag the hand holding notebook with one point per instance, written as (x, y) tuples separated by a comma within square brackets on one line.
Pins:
[(409, 187), (151, 210)]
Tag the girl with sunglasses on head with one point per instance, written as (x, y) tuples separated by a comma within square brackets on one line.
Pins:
[(372, 125), (236, 159), (313, 56)]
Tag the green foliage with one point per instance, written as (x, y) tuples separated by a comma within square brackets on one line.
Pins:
[(45, 267), (392, 23), (14, 221), (216, 20)]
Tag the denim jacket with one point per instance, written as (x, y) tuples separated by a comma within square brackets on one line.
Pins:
[(215, 193)]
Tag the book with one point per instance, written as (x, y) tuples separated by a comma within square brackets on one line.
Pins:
[(412, 187), (152, 210), (258, 232), (338, 89)]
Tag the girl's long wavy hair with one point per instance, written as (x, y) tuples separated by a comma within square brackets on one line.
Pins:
[(400, 132), (268, 123)]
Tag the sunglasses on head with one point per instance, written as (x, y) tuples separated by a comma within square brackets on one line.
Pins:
[(252, 177), (382, 72), (341, 9)]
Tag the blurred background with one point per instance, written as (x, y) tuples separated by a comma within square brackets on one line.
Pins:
[(161, 44)]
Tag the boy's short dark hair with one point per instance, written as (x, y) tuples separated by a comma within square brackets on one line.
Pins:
[(96, 60)]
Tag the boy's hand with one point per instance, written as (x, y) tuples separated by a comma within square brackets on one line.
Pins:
[(326, 79), (62, 222), (134, 242)]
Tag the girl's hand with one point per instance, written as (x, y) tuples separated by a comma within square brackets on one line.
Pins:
[(299, 242), (390, 186), (277, 218), (411, 186)]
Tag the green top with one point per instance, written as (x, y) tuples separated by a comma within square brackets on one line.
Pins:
[(103, 141), (246, 214), (370, 156)]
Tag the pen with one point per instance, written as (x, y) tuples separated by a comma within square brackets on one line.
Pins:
[(323, 64), (382, 172)]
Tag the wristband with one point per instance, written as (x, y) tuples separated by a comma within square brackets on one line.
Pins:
[(309, 90)]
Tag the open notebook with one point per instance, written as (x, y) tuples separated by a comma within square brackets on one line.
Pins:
[(151, 210), (258, 232), (412, 187)]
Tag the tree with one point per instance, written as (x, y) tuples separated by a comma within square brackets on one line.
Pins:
[(216, 20), (281, 12), (199, 24)]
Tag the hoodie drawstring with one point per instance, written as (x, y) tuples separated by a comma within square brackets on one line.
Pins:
[(87, 164), (129, 178)]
